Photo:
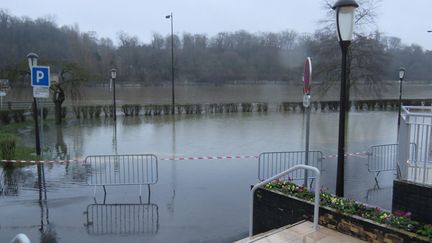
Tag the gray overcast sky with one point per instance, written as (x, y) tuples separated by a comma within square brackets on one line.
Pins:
[(407, 19)]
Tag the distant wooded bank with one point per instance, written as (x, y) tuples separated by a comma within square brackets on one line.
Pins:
[(228, 57)]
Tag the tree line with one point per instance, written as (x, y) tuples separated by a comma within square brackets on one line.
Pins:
[(225, 57)]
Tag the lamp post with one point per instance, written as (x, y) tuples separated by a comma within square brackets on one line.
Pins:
[(401, 77), (172, 62), (113, 78), (345, 27), (32, 61)]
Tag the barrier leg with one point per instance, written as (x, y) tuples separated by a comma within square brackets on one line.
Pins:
[(94, 191), (376, 179), (149, 193)]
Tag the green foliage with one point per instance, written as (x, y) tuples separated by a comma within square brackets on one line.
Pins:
[(397, 219), (7, 147), (426, 230), (5, 117), (18, 115), (25, 153)]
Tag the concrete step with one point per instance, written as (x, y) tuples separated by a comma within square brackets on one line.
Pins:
[(301, 232)]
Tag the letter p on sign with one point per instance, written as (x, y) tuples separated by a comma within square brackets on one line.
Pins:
[(40, 76)]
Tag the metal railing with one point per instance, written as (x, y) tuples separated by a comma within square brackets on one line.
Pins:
[(109, 170), (272, 163), (416, 127), (281, 175), (122, 219), (384, 157)]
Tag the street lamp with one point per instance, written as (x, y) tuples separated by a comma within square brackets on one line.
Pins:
[(401, 77), (32, 61), (172, 61), (113, 78), (345, 10)]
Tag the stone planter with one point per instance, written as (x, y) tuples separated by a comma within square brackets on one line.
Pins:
[(274, 209)]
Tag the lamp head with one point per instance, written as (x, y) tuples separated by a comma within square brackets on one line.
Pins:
[(113, 73), (345, 10), (402, 73), (345, 3), (32, 59)]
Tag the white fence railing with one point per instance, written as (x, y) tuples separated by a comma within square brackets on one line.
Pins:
[(416, 127)]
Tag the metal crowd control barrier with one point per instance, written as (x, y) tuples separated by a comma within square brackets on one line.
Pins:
[(105, 219), (384, 158), (272, 163), (110, 170)]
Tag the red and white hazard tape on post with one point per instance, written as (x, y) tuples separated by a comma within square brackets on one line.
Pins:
[(167, 158)]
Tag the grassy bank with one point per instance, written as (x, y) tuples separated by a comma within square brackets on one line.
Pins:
[(10, 143)]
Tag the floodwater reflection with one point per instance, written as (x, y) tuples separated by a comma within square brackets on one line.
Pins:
[(61, 151), (122, 218)]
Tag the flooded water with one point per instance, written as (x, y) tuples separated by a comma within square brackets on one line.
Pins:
[(194, 200)]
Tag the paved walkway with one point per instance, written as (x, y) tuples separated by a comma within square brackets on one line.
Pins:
[(302, 233)]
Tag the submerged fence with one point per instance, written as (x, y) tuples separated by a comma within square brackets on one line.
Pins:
[(109, 170), (384, 157), (272, 163)]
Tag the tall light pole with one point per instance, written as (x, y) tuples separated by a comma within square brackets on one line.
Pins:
[(113, 78), (172, 61), (401, 77), (32, 61), (345, 10)]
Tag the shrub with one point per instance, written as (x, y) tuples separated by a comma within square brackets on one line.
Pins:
[(7, 147), (18, 115), (5, 117)]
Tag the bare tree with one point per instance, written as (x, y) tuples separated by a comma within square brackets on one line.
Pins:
[(366, 58)]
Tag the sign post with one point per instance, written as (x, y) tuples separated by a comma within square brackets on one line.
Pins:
[(40, 80), (307, 79), (4, 87)]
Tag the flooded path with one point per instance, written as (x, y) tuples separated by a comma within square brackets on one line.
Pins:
[(194, 200)]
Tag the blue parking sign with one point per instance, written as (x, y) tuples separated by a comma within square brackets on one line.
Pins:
[(40, 76)]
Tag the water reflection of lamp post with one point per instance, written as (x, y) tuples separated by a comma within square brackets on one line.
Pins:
[(345, 26), (32, 61), (113, 78), (172, 62), (401, 77)]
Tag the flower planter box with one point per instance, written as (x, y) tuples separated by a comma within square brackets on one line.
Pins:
[(273, 209), (415, 198)]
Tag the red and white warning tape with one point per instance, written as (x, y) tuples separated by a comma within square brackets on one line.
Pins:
[(212, 157), (168, 158), (346, 155), (41, 161)]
